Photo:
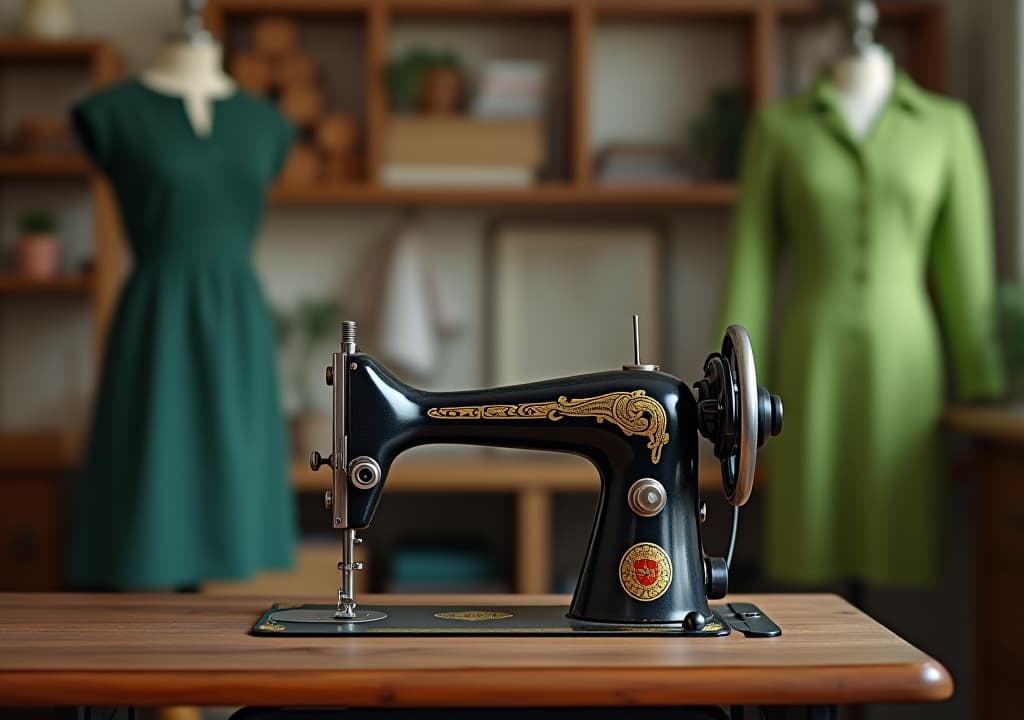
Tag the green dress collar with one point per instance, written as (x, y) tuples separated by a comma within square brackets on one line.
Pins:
[(823, 98)]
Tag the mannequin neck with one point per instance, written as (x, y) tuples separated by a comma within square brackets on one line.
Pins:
[(183, 68), (866, 74), (864, 82)]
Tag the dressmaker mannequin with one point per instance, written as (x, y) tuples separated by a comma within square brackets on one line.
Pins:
[(864, 76), (863, 83), (189, 65)]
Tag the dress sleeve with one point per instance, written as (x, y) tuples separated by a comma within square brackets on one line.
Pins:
[(962, 266), (749, 285), (92, 127)]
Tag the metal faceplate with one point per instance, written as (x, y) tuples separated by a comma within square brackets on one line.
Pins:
[(339, 490)]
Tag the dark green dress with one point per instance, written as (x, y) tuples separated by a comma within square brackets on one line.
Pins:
[(185, 477)]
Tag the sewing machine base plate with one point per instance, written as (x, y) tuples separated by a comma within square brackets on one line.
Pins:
[(512, 620)]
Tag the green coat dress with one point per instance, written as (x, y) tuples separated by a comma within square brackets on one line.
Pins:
[(875, 229), (185, 477)]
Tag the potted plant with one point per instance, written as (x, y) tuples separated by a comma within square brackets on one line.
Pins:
[(302, 334), (717, 135), (426, 80), (38, 246), (442, 85)]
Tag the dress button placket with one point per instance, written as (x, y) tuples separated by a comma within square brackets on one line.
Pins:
[(864, 219)]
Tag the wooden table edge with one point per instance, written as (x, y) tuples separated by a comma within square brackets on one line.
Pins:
[(926, 681)]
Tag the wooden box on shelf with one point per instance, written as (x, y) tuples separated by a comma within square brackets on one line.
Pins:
[(460, 151)]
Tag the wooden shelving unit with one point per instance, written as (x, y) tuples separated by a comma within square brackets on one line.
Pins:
[(98, 60), (761, 21), (34, 467)]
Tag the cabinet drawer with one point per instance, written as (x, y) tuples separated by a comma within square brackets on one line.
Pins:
[(29, 533)]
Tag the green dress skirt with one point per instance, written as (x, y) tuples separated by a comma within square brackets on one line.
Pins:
[(185, 477)]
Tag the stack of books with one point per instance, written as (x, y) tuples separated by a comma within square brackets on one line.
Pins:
[(639, 164), (511, 89)]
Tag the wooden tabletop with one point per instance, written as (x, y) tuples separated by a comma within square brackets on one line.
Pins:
[(67, 649)]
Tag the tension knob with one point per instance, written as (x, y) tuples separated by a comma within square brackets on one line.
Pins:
[(317, 461), (646, 497)]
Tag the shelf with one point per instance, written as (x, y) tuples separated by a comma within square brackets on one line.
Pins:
[(905, 9), (649, 9), (39, 451), (695, 194), (60, 285), (562, 473), (996, 422), (44, 166), (71, 49), (478, 8)]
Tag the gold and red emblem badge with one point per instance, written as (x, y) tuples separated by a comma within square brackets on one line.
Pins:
[(645, 571)]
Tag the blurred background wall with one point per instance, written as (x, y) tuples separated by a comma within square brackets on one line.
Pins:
[(313, 251), (322, 251)]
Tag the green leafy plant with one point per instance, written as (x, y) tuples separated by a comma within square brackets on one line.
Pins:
[(301, 331), (37, 222), (406, 74), (717, 135)]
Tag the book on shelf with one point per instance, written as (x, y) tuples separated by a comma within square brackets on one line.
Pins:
[(639, 164), (511, 89)]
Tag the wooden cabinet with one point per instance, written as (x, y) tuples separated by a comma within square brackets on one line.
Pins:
[(998, 438), (34, 473), (30, 553)]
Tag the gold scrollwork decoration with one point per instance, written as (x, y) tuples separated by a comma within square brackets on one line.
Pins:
[(633, 412)]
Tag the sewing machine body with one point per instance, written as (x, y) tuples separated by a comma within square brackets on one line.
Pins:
[(645, 564), (627, 423)]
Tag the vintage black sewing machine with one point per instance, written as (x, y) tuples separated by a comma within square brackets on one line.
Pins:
[(645, 566)]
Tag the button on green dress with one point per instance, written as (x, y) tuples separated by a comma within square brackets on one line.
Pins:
[(874, 228), (185, 477)]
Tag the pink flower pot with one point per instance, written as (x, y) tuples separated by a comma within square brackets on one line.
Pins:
[(39, 255)]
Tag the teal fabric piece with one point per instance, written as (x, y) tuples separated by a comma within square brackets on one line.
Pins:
[(185, 477), (874, 228)]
